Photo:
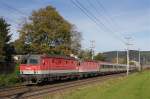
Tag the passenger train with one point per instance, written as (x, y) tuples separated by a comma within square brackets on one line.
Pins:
[(39, 68)]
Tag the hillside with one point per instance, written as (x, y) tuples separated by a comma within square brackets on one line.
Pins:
[(134, 56)]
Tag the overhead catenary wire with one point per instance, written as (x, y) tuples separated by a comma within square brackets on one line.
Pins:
[(105, 15), (84, 12), (97, 19), (9, 19), (106, 12), (12, 8), (94, 18), (98, 2), (98, 12), (107, 19)]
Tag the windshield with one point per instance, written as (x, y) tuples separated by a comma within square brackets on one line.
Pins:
[(33, 61)]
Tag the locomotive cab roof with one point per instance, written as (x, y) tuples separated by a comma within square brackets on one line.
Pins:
[(49, 56)]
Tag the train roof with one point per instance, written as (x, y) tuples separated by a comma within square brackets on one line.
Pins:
[(90, 61), (60, 57), (108, 63), (51, 56)]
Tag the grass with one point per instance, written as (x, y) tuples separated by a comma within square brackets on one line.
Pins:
[(135, 86)]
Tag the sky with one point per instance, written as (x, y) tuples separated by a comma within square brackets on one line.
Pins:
[(115, 20)]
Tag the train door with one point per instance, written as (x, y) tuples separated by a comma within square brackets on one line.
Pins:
[(45, 66)]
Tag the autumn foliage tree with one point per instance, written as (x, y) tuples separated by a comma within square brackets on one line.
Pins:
[(48, 32)]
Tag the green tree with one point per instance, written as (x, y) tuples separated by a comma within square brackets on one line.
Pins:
[(5, 46), (121, 60), (85, 54), (47, 32), (99, 57)]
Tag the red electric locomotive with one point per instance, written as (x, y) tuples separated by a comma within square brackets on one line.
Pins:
[(39, 68), (89, 68)]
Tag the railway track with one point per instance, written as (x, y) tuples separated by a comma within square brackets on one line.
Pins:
[(8, 88), (25, 92)]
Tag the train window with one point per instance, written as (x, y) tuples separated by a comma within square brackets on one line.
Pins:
[(102, 66), (33, 61), (110, 66), (106, 66)]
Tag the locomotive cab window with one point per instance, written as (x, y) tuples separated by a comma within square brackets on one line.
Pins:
[(33, 61)]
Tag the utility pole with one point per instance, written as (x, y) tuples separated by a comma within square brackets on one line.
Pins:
[(117, 58), (128, 57), (128, 62), (139, 60), (92, 47)]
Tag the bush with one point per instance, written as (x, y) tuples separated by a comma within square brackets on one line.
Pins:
[(10, 79)]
